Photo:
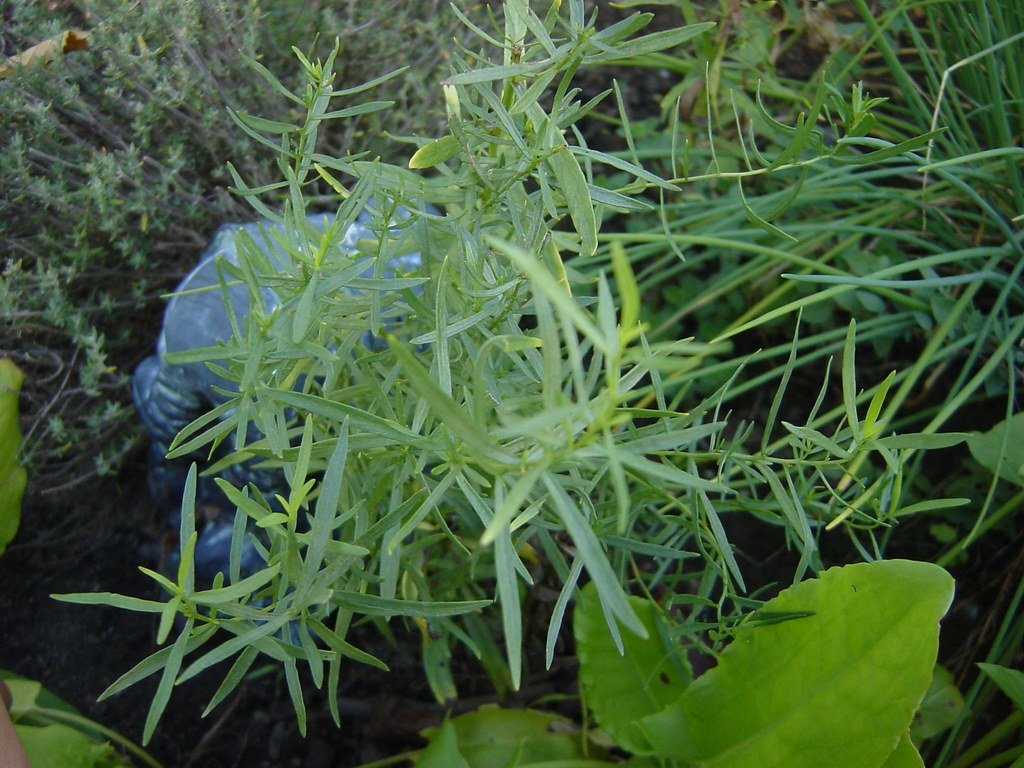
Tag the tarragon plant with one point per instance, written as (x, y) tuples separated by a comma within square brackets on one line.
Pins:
[(453, 433)]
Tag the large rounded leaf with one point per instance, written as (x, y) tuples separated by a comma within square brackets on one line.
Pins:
[(620, 688), (493, 737), (1002, 448), (836, 688)]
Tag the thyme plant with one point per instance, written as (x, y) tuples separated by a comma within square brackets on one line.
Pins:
[(451, 433)]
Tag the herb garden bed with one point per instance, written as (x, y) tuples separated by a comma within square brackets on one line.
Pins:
[(716, 364)]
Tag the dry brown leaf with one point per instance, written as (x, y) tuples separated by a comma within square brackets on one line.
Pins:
[(47, 51)]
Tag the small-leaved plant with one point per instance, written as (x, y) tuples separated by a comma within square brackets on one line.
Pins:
[(451, 433)]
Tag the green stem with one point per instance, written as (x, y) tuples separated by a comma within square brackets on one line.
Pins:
[(1013, 505), (986, 743), (1005, 757)]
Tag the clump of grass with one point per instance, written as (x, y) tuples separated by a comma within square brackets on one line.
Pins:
[(923, 250)]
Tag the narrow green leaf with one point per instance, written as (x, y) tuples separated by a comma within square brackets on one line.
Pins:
[(354, 89), (871, 425), (262, 124), (554, 291), (112, 599), (490, 74), (576, 192), (508, 598), (343, 648), (163, 691), (326, 505), (371, 605), (652, 43), (629, 291), (436, 152), (1010, 682), (668, 473), (231, 680), (332, 409), (238, 590), (818, 440), (924, 441), (589, 550), (850, 380), (167, 619), (721, 539), (234, 645), (871, 158), (155, 662), (291, 676), (454, 415)]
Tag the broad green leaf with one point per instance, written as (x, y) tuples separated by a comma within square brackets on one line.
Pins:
[(623, 687), (836, 688), (25, 695), (939, 708), (1006, 439), (443, 750), (904, 756), (60, 746), (12, 475), (1010, 682), (490, 736)]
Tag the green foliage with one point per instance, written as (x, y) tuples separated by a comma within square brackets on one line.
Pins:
[(819, 689), (1001, 449), (113, 177), (830, 672), (516, 413), (55, 735), (626, 677), (406, 460), (940, 707), (1010, 682), (511, 737), (12, 474)]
